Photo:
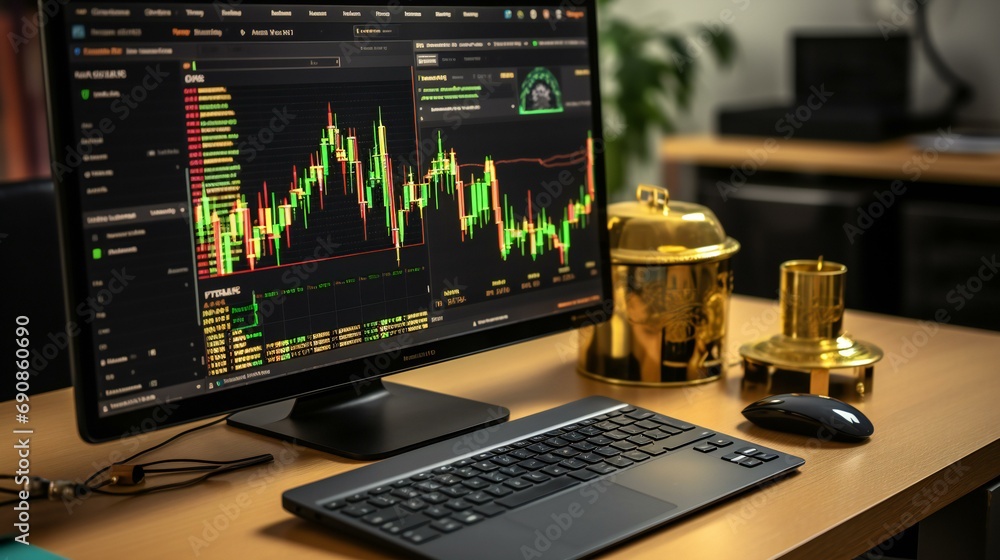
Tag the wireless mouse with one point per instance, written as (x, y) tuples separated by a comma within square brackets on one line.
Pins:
[(811, 415)]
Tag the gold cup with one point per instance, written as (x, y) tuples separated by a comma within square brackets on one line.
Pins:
[(812, 299), (812, 344)]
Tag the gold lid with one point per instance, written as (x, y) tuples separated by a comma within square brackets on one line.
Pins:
[(654, 230)]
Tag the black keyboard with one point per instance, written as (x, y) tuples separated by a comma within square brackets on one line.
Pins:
[(436, 501)]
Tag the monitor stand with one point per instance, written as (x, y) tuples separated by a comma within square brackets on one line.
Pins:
[(370, 419)]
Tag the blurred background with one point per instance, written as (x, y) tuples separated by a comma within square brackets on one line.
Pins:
[(865, 131)]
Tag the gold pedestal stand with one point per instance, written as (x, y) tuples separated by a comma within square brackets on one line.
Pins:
[(812, 346)]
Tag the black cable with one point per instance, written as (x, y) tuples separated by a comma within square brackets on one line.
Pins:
[(220, 470)]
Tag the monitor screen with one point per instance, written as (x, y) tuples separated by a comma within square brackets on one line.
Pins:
[(262, 200)]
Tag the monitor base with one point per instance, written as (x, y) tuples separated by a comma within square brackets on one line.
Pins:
[(370, 420)]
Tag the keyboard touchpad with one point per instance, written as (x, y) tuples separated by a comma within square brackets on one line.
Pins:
[(591, 514)]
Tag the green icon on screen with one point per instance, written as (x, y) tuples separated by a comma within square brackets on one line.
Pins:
[(85, 94), (97, 254)]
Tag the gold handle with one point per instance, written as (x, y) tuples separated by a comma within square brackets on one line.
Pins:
[(658, 197)]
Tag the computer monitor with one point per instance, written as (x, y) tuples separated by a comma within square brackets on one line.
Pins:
[(276, 205)]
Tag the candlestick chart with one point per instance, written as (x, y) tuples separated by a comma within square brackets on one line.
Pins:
[(356, 183)]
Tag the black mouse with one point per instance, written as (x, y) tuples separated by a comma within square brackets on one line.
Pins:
[(811, 415)]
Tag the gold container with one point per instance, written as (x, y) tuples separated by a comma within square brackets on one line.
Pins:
[(672, 280)]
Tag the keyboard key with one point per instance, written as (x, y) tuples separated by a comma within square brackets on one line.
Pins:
[(518, 483), (489, 510), (467, 471), (427, 486), (589, 431), (548, 458), (379, 490), (566, 452), (619, 462), (705, 448), (402, 483), (475, 483), (635, 455), (537, 439), (622, 420), (415, 504), (602, 468), (421, 535), (631, 430), (478, 498), (627, 409), (766, 457), (646, 425), (406, 523), (357, 510), (640, 440), (436, 512), (607, 451), (483, 456), (748, 451), (434, 498), (335, 504), (448, 479), (734, 457), (356, 498), (494, 477), (499, 491), (720, 442), (463, 463), (382, 502), (574, 437), (538, 491), (616, 435), (458, 504), (447, 525), (539, 448), (444, 470), (512, 470), (555, 470), (421, 476), (672, 422), (406, 493), (501, 450), (624, 445), (536, 477), (600, 440), (751, 462), (572, 464), (586, 422), (639, 414), (654, 449), (676, 442), (384, 516), (656, 434), (456, 491), (520, 444), (556, 442), (504, 460), (584, 446), (531, 464), (468, 517), (486, 466), (606, 426), (584, 475), (590, 458), (522, 454)]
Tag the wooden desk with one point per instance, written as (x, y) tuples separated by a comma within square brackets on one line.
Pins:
[(935, 409), (895, 159)]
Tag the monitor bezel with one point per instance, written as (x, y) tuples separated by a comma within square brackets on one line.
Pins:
[(94, 428)]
